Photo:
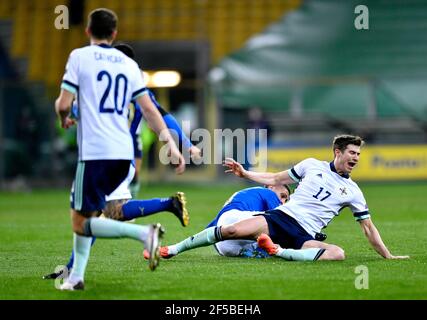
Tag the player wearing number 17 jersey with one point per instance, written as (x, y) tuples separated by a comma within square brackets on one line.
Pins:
[(324, 189), (289, 230), (105, 81)]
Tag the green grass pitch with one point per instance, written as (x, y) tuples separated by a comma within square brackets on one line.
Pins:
[(35, 236)]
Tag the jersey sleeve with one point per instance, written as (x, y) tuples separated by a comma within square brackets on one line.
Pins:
[(359, 207), (138, 85), (298, 171), (70, 80)]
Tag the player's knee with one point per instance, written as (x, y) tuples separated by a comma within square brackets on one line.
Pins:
[(333, 253), (342, 254), (338, 253), (229, 231), (79, 224), (78, 227)]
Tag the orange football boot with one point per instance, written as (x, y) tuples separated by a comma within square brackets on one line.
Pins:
[(265, 242), (163, 253)]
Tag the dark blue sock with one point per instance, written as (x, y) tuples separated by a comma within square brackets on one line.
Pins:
[(70, 262), (142, 208)]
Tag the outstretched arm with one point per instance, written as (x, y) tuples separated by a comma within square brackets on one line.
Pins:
[(267, 178), (156, 122), (375, 240), (171, 123)]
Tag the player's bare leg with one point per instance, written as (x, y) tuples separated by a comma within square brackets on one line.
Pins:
[(311, 250), (87, 225), (81, 247), (245, 229), (114, 210), (332, 252)]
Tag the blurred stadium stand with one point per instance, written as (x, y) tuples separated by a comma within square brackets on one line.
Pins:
[(37, 53), (317, 75), (223, 23), (302, 62)]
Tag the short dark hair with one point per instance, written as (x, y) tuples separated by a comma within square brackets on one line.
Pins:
[(284, 185), (102, 23), (342, 141), (126, 49)]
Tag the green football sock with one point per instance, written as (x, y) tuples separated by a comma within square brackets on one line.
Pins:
[(311, 254), (107, 228), (81, 246), (204, 238), (134, 188)]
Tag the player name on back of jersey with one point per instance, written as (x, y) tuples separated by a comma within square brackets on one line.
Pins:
[(109, 57)]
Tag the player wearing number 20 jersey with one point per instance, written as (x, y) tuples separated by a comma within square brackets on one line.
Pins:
[(105, 81)]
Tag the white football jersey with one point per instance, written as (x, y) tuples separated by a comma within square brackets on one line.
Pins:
[(105, 81), (321, 194)]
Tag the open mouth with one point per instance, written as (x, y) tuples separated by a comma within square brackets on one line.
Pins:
[(351, 164)]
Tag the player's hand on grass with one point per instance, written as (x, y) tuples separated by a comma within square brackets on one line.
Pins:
[(234, 167), (398, 257)]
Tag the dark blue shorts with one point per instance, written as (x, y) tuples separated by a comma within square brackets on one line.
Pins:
[(94, 180), (285, 230)]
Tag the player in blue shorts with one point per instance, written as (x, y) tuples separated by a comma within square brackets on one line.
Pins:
[(118, 203), (289, 231), (105, 81)]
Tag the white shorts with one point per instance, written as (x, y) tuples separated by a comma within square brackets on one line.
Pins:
[(235, 248), (122, 192)]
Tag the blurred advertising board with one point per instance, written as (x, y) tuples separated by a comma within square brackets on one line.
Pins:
[(379, 162)]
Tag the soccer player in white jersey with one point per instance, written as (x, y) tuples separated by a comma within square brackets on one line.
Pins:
[(104, 81), (324, 189)]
